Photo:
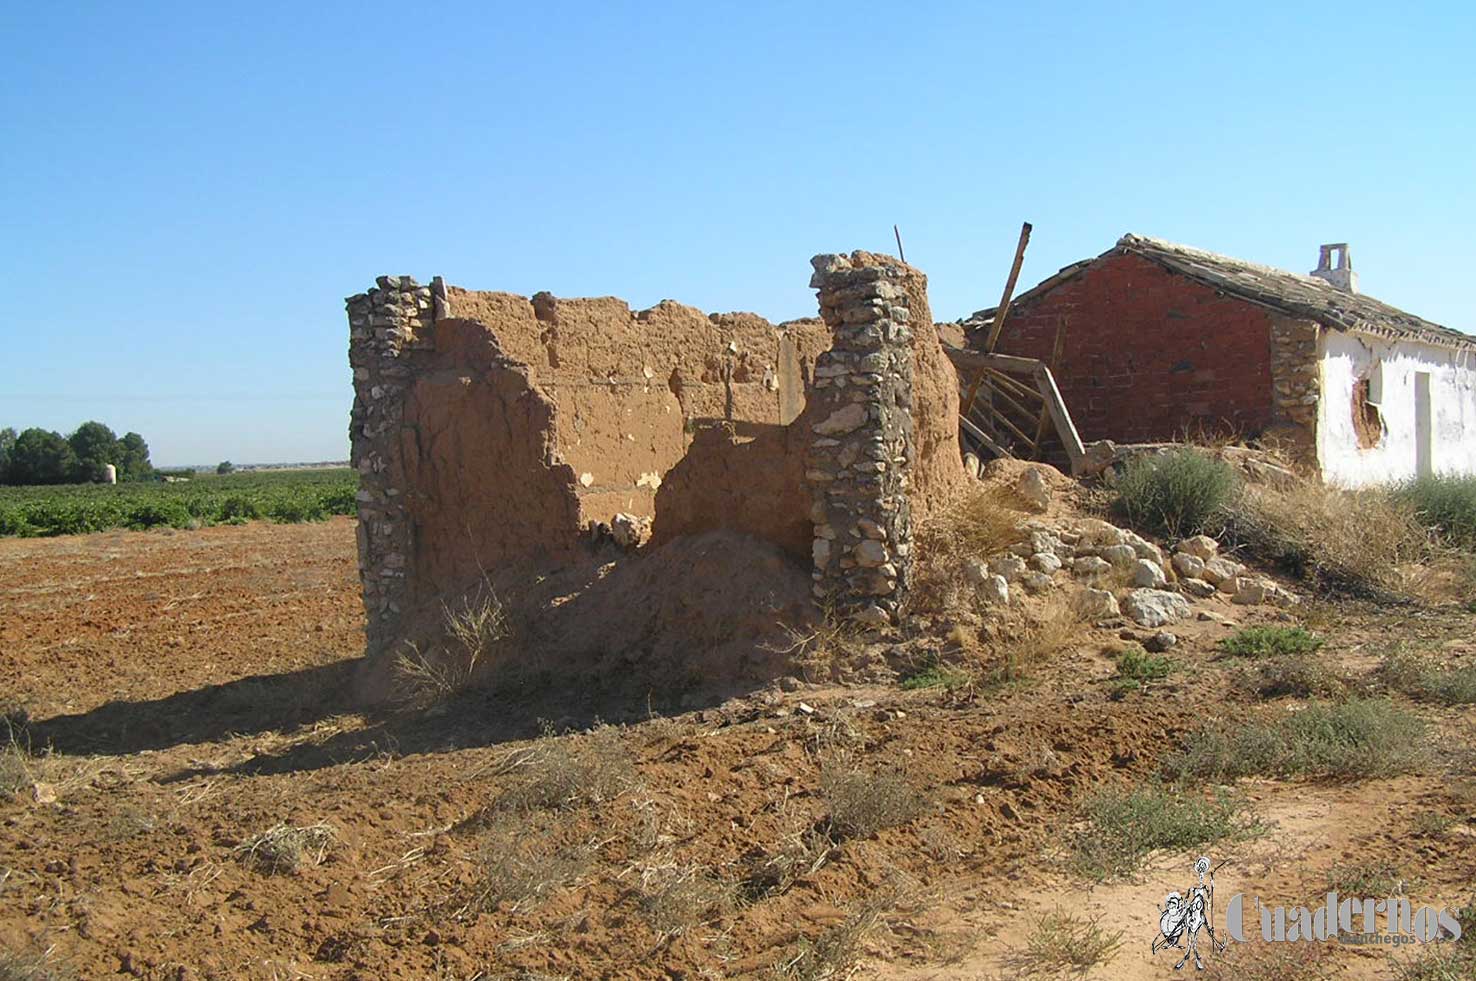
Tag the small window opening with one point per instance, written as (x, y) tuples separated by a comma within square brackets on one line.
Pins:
[(1368, 419)]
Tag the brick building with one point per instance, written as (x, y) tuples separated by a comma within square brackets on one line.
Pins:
[(1152, 341)]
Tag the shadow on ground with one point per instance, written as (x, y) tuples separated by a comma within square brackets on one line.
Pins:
[(297, 700)]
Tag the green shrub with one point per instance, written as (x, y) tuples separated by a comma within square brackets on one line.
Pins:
[(1357, 738), (1179, 493), (1423, 679), (1125, 825), (1445, 503), (1136, 668), (1271, 642)]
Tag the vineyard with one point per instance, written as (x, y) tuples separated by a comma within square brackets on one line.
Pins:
[(280, 495)]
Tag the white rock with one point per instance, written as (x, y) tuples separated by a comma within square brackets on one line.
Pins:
[(976, 571), (1189, 566), (842, 420), (1046, 562), (820, 553), (1201, 547), (628, 530), (1095, 531), (1197, 588), (1148, 575), (1220, 570), (1155, 607), (1090, 567), (1256, 591), (1095, 604), (1032, 486), (1011, 567), (872, 616), (995, 590), (1037, 582), (1124, 555)]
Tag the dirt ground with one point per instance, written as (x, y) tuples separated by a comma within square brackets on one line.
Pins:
[(182, 693)]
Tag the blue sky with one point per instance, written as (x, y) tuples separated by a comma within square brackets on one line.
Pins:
[(190, 190)]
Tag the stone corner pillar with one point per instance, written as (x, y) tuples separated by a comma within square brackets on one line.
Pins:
[(386, 325), (860, 455)]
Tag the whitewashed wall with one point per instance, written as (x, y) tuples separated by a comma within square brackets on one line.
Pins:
[(1345, 358)]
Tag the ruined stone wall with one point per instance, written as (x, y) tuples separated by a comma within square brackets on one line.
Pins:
[(1296, 389), (490, 430), (864, 448)]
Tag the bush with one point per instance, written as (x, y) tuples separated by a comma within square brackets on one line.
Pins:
[(1295, 676), (1446, 504), (1136, 668), (1177, 494), (862, 803), (1423, 679), (1349, 540), (1271, 642), (1125, 825), (1358, 738)]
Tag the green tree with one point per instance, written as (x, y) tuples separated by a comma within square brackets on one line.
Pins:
[(41, 457), (95, 446), (7, 443), (133, 457), (225, 466)]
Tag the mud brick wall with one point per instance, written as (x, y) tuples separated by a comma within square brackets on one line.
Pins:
[(862, 438), (1149, 355)]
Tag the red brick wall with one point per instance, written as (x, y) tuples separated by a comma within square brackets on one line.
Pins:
[(1149, 354)]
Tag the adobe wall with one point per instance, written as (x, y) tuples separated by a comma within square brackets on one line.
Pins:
[(491, 429), (1149, 355)]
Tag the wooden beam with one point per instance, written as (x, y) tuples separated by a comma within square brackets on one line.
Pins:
[(1003, 310), (900, 254), (1065, 428), (984, 438), (968, 359), (1055, 365)]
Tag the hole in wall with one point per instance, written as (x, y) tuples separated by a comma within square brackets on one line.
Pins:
[(1368, 419)]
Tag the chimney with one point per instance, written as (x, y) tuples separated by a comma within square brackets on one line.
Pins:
[(1342, 275)]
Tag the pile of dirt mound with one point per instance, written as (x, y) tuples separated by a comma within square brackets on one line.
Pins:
[(715, 611)]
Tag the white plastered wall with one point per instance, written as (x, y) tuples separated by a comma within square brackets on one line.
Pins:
[(1393, 368)]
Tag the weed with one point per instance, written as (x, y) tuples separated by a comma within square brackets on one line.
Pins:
[(937, 676), (288, 848), (1270, 962), (1023, 646), (765, 874), (676, 898), (1062, 942), (1271, 642), (1180, 493), (862, 803), (1446, 960), (472, 630), (1357, 738), (1446, 503), (1348, 540), (833, 954), (1136, 668), (519, 864), (1125, 825), (567, 774), (1423, 679), (1431, 824), (1295, 676), (1367, 879), (33, 966), (984, 523)]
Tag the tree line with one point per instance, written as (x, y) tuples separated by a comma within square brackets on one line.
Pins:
[(40, 456)]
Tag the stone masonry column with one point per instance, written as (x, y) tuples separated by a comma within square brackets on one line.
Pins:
[(386, 325), (861, 440)]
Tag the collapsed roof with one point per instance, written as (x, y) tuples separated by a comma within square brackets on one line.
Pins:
[(1291, 293)]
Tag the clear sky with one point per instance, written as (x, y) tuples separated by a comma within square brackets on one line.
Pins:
[(190, 190)]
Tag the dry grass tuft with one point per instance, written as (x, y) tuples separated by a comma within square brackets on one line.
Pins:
[(1356, 541), (568, 773), (472, 631), (1062, 943), (520, 864), (863, 802), (984, 523), (834, 953), (802, 853), (33, 966), (288, 848), (1032, 641), (675, 898)]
